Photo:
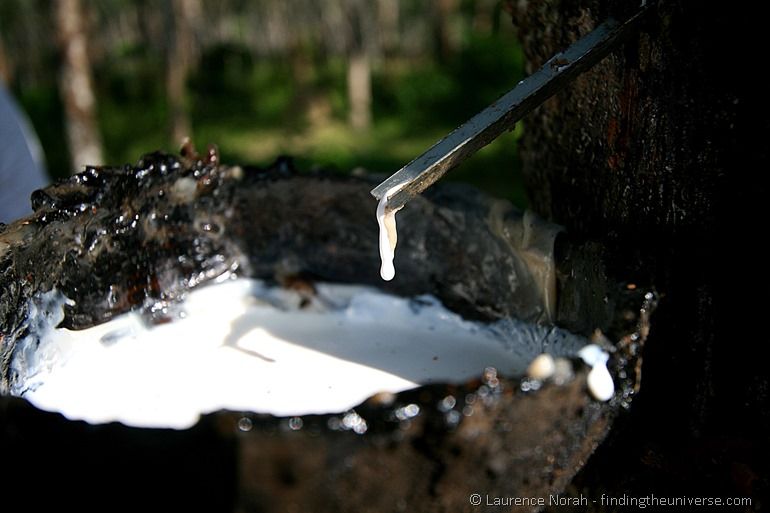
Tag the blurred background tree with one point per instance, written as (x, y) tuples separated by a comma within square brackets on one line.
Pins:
[(336, 83), (75, 85)]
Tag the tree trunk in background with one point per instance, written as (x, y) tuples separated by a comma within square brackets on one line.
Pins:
[(360, 90), (442, 28), (388, 20), (75, 86), (183, 17), (656, 153), (359, 65)]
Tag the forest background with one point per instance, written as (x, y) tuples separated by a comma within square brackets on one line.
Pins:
[(337, 84)]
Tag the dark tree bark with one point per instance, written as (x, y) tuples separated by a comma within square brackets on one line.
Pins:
[(76, 87), (655, 153)]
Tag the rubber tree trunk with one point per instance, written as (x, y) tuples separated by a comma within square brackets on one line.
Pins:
[(441, 18), (656, 153), (359, 64), (360, 90), (76, 87), (388, 21), (183, 16)]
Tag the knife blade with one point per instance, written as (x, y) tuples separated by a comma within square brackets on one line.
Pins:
[(487, 125)]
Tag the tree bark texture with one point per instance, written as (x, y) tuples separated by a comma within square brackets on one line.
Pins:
[(76, 86), (656, 153)]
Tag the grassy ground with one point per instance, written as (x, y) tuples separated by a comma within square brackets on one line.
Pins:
[(335, 146)]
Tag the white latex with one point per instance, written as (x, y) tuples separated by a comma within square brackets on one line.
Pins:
[(243, 346), (386, 219), (600, 382)]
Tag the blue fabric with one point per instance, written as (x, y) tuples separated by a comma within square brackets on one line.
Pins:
[(21, 162)]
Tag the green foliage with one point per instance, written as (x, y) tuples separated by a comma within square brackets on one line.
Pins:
[(258, 107)]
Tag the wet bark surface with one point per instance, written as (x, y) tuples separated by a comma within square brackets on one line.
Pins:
[(655, 153)]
